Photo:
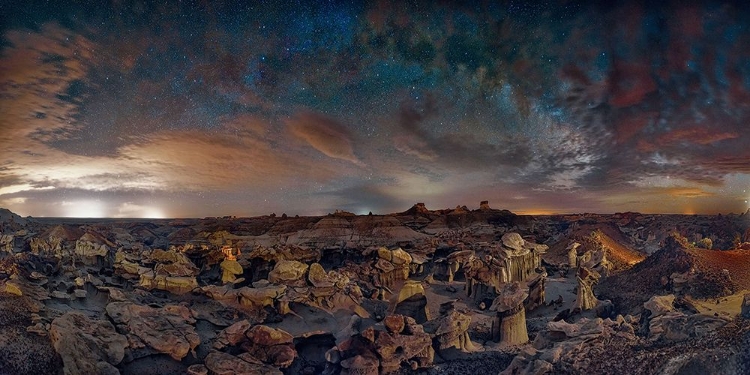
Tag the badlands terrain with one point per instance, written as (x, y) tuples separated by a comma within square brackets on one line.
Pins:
[(455, 291)]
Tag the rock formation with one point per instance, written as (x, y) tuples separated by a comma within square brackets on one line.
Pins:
[(167, 330), (585, 299), (451, 328), (403, 343), (74, 333), (509, 324), (369, 294)]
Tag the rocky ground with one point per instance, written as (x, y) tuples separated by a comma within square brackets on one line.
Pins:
[(454, 291)]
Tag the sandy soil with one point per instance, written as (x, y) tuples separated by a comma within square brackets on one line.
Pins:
[(727, 306)]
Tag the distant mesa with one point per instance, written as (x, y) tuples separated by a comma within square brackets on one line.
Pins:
[(417, 209), (484, 206)]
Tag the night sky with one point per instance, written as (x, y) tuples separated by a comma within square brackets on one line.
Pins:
[(192, 109)]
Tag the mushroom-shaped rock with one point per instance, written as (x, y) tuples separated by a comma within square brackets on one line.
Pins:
[(384, 265), (509, 325), (451, 328), (412, 301), (288, 272), (410, 288), (484, 206), (229, 270), (513, 241), (585, 300)]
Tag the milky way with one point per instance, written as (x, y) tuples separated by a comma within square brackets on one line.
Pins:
[(144, 109)]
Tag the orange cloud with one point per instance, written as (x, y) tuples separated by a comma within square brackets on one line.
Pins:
[(324, 134)]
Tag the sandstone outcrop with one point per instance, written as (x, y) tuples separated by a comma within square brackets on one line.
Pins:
[(167, 330), (585, 299), (87, 346), (509, 324), (404, 343)]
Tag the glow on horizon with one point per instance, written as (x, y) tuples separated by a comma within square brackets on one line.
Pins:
[(84, 209)]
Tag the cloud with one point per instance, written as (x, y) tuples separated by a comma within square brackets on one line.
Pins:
[(324, 134), (222, 160)]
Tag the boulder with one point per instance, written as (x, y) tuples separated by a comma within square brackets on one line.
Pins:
[(318, 276), (167, 330), (270, 345), (232, 335), (229, 270), (87, 346), (660, 305), (451, 328), (288, 272)]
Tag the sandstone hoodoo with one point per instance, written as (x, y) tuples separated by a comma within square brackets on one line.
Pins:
[(509, 323), (446, 291)]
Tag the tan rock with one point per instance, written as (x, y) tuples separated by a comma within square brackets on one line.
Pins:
[(451, 329), (585, 299), (410, 288), (11, 287), (272, 346), (267, 336), (318, 277), (509, 324), (87, 346), (400, 257), (264, 296), (232, 335), (167, 330), (288, 272), (229, 270), (513, 241), (177, 285)]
